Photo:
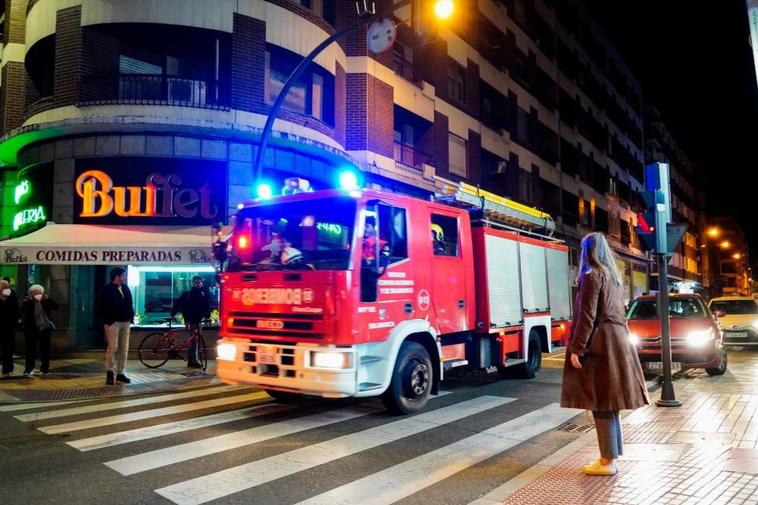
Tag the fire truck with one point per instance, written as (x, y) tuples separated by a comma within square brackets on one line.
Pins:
[(361, 293)]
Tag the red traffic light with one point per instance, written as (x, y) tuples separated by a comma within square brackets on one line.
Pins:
[(643, 225)]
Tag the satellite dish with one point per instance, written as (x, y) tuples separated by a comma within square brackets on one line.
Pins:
[(381, 35)]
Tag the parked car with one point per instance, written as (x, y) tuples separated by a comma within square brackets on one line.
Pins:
[(738, 318), (696, 340)]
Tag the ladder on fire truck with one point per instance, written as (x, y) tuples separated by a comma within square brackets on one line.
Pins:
[(495, 209)]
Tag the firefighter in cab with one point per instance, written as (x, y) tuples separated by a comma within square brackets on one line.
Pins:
[(370, 239)]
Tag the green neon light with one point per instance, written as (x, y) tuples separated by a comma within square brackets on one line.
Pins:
[(334, 229), (28, 216), (22, 190)]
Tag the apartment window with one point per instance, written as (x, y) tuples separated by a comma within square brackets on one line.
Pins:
[(402, 61), (525, 186), (456, 86), (457, 155), (612, 188), (312, 95), (522, 126)]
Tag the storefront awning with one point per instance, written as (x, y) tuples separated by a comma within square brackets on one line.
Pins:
[(86, 244)]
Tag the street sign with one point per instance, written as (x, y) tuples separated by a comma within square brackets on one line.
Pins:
[(674, 234)]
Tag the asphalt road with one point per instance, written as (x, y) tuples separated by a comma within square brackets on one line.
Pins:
[(223, 444)]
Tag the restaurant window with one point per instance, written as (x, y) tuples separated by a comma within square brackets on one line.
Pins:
[(156, 288)]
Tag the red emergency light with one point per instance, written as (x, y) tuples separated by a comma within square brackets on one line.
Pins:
[(643, 224)]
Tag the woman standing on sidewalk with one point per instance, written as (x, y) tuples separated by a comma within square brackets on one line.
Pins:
[(37, 328), (602, 372)]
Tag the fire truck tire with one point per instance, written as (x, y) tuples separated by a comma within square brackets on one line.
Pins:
[(533, 363), (411, 381)]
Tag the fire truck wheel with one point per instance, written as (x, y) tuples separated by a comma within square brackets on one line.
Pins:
[(533, 363), (411, 382)]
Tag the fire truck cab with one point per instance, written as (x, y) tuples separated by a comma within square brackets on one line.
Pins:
[(364, 293)]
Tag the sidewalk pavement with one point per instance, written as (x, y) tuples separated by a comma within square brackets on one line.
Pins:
[(82, 378), (704, 452)]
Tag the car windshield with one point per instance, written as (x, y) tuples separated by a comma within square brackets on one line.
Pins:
[(305, 235), (735, 306), (680, 308)]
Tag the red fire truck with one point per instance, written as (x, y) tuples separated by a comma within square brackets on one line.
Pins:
[(364, 293)]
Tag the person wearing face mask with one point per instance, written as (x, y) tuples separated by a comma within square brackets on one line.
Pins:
[(9, 315), (35, 310)]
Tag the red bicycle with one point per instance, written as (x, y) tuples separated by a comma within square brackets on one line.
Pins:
[(157, 348)]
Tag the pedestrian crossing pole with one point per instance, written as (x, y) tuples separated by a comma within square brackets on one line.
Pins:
[(665, 241)]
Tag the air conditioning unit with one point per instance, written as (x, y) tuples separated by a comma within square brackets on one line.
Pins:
[(186, 92)]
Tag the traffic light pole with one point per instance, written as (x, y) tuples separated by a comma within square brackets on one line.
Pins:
[(668, 397)]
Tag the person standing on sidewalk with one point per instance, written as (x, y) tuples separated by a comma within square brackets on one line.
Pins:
[(194, 304), (117, 313), (35, 310), (9, 315), (602, 372)]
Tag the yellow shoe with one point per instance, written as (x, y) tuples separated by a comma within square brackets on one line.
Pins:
[(597, 468)]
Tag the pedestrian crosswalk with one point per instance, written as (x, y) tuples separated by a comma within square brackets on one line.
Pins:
[(234, 443)]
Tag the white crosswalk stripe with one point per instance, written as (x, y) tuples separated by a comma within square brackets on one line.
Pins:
[(404, 479), (239, 478), (170, 428), (147, 414), (29, 406), (100, 407), (191, 450)]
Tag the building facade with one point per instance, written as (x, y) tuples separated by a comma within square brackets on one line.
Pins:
[(102, 100), (728, 250)]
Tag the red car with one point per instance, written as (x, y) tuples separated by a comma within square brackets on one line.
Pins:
[(696, 340)]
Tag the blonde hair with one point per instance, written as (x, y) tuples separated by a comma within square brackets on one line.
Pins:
[(36, 287), (597, 254)]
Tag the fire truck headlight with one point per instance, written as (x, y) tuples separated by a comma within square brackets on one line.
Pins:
[(330, 359), (226, 351)]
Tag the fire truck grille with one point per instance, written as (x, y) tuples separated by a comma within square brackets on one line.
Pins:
[(297, 326)]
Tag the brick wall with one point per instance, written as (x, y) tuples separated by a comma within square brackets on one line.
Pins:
[(474, 157), (248, 63), (430, 66), (68, 49), (340, 104), (99, 57), (369, 114), (12, 94), (306, 13), (15, 21)]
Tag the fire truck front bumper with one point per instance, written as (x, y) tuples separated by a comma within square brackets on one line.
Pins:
[(309, 369)]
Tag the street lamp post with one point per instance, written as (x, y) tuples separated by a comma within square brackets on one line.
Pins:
[(442, 9)]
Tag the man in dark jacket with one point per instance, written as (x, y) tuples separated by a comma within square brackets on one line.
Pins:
[(194, 304), (117, 313), (9, 315)]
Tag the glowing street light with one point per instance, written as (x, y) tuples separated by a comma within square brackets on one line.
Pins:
[(713, 232), (736, 256), (443, 9), (725, 244)]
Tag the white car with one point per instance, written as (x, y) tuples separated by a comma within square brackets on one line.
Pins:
[(738, 318)]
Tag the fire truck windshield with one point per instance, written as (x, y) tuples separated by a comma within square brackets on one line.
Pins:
[(304, 235)]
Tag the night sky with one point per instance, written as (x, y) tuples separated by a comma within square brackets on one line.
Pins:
[(695, 64)]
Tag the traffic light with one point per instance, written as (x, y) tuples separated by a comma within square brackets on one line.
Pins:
[(649, 220)]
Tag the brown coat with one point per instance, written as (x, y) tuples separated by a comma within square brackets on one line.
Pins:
[(611, 376)]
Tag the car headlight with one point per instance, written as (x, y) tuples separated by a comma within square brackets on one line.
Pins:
[(331, 359), (634, 339), (755, 325), (700, 338), (226, 351)]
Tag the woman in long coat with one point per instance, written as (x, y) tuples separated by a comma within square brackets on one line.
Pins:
[(602, 372)]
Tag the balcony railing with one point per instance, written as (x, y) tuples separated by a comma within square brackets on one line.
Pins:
[(40, 105), (144, 89), (409, 157)]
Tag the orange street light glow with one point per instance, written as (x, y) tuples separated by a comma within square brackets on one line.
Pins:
[(736, 256), (443, 9), (713, 232), (725, 244)]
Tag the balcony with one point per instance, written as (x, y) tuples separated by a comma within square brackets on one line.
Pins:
[(40, 105), (150, 89), (407, 157)]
